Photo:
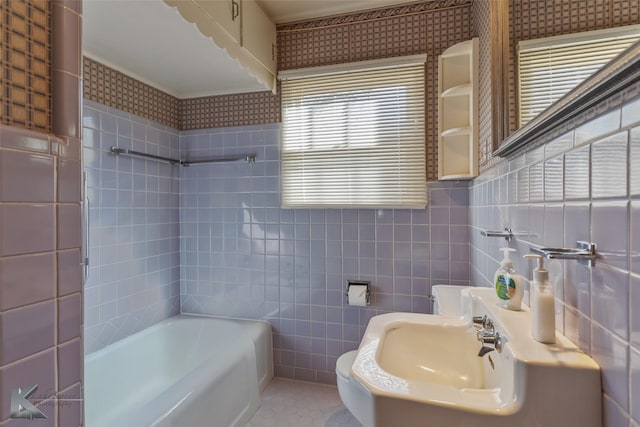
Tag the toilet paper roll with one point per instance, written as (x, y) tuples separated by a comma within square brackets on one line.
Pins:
[(357, 295)]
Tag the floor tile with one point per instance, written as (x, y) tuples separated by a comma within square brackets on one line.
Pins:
[(288, 403)]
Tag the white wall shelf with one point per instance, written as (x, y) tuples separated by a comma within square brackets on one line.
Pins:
[(458, 112), (458, 50)]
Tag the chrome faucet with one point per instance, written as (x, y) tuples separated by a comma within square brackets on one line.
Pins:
[(487, 336), (483, 322)]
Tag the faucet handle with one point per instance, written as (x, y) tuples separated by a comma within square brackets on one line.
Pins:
[(492, 339), (479, 321), (482, 322)]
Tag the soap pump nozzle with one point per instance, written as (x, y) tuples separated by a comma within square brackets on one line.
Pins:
[(540, 274), (506, 261)]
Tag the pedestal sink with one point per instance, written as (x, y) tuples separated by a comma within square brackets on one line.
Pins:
[(424, 370)]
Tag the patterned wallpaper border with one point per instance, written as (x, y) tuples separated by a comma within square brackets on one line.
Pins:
[(25, 67), (243, 109), (375, 14), (112, 88)]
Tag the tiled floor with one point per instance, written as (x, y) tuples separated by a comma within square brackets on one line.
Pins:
[(288, 403)]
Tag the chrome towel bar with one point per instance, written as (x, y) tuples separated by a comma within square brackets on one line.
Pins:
[(249, 158)]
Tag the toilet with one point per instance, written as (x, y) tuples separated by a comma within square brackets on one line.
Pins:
[(354, 395)]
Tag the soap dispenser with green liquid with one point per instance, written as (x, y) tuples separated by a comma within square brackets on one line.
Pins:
[(508, 283)]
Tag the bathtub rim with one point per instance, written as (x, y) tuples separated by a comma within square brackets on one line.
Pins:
[(171, 319)]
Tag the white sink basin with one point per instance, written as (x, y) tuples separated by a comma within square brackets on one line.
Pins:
[(418, 369), (439, 354)]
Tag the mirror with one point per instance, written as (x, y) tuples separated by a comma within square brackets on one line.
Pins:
[(506, 139), (613, 78)]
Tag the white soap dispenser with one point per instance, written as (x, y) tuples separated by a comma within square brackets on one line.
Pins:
[(543, 312), (508, 284)]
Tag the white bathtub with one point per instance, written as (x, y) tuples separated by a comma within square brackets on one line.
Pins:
[(185, 371)]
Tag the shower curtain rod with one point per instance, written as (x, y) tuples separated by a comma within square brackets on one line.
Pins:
[(250, 158)]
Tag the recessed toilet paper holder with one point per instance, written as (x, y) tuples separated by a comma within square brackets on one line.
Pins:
[(359, 283)]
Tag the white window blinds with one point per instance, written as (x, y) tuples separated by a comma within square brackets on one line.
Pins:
[(354, 138), (551, 67)]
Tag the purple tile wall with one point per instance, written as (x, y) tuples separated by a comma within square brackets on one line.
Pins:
[(581, 185), (242, 255), (40, 195), (40, 276), (134, 226)]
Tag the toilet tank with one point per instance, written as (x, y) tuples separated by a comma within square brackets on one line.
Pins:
[(447, 299)]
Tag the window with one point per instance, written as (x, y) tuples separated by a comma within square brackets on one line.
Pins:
[(354, 137), (550, 67)]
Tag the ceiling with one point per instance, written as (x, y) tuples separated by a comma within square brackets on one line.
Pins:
[(150, 41)]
